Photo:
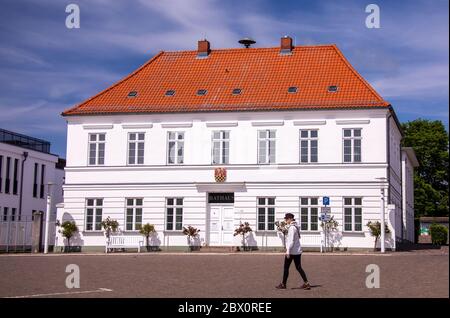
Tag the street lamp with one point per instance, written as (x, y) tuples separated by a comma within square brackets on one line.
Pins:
[(47, 215), (382, 207)]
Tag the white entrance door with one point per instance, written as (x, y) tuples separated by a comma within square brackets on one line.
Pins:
[(221, 225)]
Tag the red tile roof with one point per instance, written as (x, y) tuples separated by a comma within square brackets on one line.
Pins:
[(263, 74)]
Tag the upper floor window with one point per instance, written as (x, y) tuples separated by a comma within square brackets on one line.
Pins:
[(41, 192), (35, 180), (352, 145), (309, 214), (308, 145), (8, 174), (174, 214), (266, 146), (136, 148), (175, 153), (1, 173), (97, 149), (266, 214), (133, 214), (15, 176), (353, 214), (220, 147), (94, 211)]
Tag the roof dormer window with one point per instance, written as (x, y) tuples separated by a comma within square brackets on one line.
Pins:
[(332, 89), (293, 89), (237, 91), (201, 92), (170, 92), (132, 94)]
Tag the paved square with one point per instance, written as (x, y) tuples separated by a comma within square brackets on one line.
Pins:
[(403, 274)]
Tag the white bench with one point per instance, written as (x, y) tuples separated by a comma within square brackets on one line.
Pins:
[(124, 241)]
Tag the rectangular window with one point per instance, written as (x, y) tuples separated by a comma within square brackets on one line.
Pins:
[(13, 214), (308, 146), (352, 145), (35, 185), (353, 214), (266, 146), (41, 192), (309, 214), (15, 176), (97, 149), (220, 147), (5, 214), (1, 173), (174, 214), (133, 214), (175, 146), (8, 173), (136, 148), (94, 210), (266, 214)]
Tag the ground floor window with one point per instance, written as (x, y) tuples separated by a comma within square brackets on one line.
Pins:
[(94, 210), (174, 214), (266, 214), (133, 214), (309, 214), (353, 214)]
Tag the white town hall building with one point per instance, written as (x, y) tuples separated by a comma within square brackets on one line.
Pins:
[(289, 125)]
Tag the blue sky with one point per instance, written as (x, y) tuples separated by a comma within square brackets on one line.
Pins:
[(46, 68)]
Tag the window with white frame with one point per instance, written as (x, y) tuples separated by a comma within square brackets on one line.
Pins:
[(133, 214), (136, 148), (220, 147), (266, 146), (174, 214), (266, 214), (309, 214), (97, 149), (352, 145), (353, 214), (175, 153), (308, 145), (94, 211)]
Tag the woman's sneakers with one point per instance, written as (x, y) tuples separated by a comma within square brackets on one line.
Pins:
[(306, 286), (281, 286)]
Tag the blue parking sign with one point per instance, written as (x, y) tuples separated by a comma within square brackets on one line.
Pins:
[(326, 200)]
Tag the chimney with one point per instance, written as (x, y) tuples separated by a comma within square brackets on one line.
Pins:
[(203, 48), (286, 45)]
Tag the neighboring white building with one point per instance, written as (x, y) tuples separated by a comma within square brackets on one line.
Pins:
[(290, 125), (26, 168)]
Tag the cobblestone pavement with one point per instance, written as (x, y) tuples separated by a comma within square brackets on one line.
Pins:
[(416, 273)]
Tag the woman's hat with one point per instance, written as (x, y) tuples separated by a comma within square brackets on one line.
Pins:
[(289, 216)]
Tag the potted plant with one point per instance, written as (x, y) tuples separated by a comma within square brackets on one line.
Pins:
[(191, 233), (328, 226), (375, 231), (243, 229), (147, 230), (68, 229), (109, 226), (283, 229)]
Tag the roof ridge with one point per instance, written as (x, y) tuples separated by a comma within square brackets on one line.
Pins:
[(68, 111), (257, 48), (353, 70)]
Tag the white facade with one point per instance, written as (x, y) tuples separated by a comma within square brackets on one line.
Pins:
[(354, 188), (20, 196)]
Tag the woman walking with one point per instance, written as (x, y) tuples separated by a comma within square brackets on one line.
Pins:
[(293, 253)]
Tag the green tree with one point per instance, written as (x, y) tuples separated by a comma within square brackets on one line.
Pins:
[(429, 139)]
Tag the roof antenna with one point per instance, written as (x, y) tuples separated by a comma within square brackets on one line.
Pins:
[(247, 42)]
